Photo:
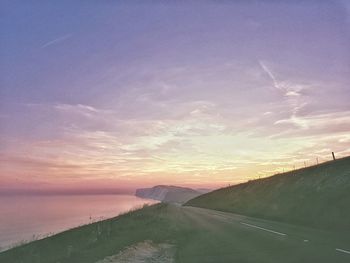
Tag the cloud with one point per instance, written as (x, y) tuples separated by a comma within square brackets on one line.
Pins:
[(288, 88), (276, 84), (83, 110), (292, 93), (169, 126), (318, 124), (81, 107), (171, 150), (56, 40), (298, 122), (295, 99)]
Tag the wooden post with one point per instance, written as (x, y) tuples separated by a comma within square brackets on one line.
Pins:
[(333, 156), (317, 160)]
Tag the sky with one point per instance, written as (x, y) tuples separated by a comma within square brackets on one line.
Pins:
[(127, 94)]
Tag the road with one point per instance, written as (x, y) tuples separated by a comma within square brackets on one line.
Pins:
[(227, 237)]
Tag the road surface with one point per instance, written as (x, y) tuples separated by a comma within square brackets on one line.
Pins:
[(227, 237)]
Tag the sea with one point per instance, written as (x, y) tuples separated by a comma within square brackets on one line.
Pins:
[(32, 217)]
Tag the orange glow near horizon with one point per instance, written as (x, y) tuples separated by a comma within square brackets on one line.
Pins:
[(100, 161)]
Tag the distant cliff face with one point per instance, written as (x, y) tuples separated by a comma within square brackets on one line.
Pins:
[(168, 193)]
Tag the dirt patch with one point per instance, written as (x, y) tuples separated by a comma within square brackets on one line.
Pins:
[(143, 252)]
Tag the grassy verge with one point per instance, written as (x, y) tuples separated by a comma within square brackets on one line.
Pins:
[(317, 196), (92, 242)]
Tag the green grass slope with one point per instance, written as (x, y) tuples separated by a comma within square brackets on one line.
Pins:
[(93, 242), (317, 196)]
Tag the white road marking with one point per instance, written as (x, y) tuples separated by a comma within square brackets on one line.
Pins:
[(342, 250), (265, 229)]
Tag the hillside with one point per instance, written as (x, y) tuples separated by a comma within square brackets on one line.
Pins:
[(168, 193), (317, 196)]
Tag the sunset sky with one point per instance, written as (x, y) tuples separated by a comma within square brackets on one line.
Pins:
[(114, 94)]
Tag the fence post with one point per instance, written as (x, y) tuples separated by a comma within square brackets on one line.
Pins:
[(333, 156)]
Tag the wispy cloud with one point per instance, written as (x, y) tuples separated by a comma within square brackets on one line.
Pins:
[(203, 144), (275, 82), (317, 124), (294, 98), (56, 40), (288, 88)]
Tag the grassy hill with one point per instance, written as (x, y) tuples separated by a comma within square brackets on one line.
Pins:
[(317, 196)]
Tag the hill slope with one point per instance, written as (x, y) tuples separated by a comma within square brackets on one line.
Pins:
[(168, 193), (317, 196)]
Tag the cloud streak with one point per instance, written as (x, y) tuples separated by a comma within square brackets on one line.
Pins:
[(276, 84), (56, 40)]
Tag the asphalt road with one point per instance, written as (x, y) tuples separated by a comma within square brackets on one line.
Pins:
[(227, 237)]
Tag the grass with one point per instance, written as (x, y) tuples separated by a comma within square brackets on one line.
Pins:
[(317, 196), (92, 242)]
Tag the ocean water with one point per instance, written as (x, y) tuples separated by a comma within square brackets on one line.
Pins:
[(25, 218)]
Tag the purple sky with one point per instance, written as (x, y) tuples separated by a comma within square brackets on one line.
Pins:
[(199, 93)]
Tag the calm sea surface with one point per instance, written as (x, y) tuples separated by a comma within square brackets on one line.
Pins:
[(24, 218)]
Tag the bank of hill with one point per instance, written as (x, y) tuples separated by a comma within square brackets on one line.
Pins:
[(317, 196)]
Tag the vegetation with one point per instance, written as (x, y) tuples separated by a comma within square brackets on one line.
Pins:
[(92, 242), (317, 196)]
